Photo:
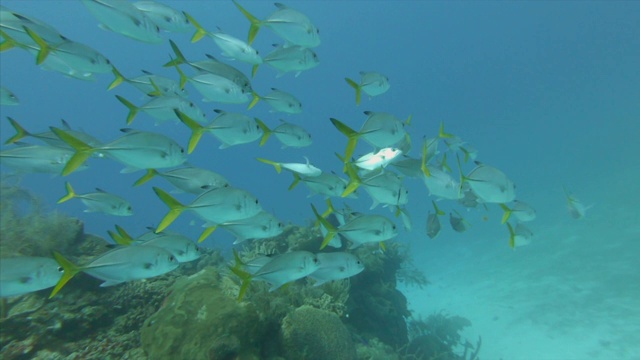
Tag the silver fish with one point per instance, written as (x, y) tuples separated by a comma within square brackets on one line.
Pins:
[(336, 266), (100, 201), (372, 83), (26, 274), (123, 18)]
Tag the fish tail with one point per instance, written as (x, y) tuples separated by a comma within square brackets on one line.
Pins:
[(437, 209), (180, 59), (266, 132), (254, 100), (8, 43), (119, 78), (467, 154), (70, 270), (44, 47), (175, 209), (442, 134), (463, 178), (20, 131), (294, 183), (126, 239), (146, 177), (243, 275), (331, 230), (350, 133), (512, 236), (70, 193), (354, 180), (255, 23), (357, 87), (83, 151), (423, 164), (507, 213), (200, 31), (133, 110), (208, 231), (330, 209), (444, 164), (275, 164), (196, 129), (254, 70)]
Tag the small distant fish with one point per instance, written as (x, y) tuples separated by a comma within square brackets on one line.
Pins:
[(336, 266), (7, 97), (279, 101), (290, 135), (163, 16), (26, 274), (291, 59), (120, 265), (291, 25), (577, 209), (232, 47), (162, 108), (520, 210), (123, 18), (433, 221), (281, 269), (230, 128), (189, 179), (458, 223), (100, 201), (372, 83)]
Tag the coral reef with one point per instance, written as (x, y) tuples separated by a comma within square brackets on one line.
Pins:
[(310, 333)]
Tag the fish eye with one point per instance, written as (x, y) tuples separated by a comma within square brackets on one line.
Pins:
[(359, 262), (60, 269), (108, 62), (172, 258), (393, 227), (181, 150), (256, 201)]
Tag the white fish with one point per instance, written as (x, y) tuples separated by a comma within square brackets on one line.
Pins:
[(100, 201), (7, 97), (215, 206), (123, 18), (377, 159), (306, 169), (26, 274), (372, 83), (336, 266), (189, 179), (120, 265), (291, 25), (442, 184)]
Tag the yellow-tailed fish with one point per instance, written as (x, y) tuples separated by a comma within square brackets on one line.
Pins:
[(100, 201), (372, 83)]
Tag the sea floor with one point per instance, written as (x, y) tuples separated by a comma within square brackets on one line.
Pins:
[(574, 293)]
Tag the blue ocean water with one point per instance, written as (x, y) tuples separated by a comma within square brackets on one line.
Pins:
[(546, 91)]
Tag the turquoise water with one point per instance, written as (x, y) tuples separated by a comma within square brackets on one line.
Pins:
[(547, 92)]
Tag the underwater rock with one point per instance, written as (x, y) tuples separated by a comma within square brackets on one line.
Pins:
[(310, 333), (200, 320)]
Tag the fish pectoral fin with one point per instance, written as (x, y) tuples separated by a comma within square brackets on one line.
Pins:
[(110, 283)]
